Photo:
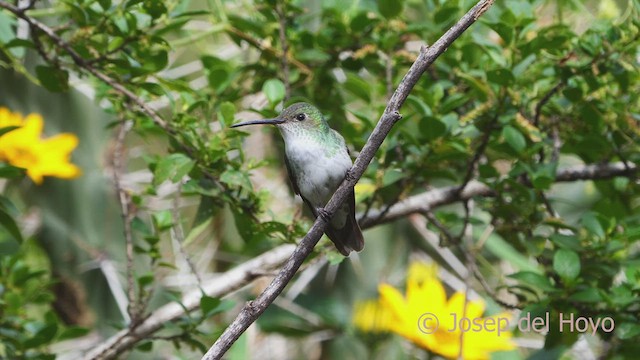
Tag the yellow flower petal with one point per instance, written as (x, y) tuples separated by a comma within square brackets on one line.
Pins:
[(474, 309), (7, 118), (426, 296), (24, 148), (391, 298), (371, 316)]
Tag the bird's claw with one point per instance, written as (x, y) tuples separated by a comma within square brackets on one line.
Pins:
[(348, 176), (323, 214)]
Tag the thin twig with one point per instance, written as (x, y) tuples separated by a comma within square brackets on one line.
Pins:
[(440, 226), (557, 143), (538, 111), (468, 206), (126, 207), (545, 99), (391, 115), (473, 164)]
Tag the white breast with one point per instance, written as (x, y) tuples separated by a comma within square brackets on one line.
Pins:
[(319, 172)]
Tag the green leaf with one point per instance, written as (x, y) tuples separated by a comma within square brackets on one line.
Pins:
[(72, 332), (163, 219), (452, 102), (570, 242), (115, 43), (154, 8), (591, 222), (153, 88), (313, 55), (208, 303), (447, 12), (105, 4), (9, 171), (152, 240), (514, 138), (211, 306), (274, 90), (236, 178), (145, 346), (432, 128), (10, 225), (419, 105), (391, 176), (144, 280), (502, 77), (227, 112), (628, 330), (358, 87), (140, 226), (543, 177), (8, 34), (505, 30), (503, 250), (7, 129), (531, 278), (42, 336), (157, 61), (173, 167), (390, 8), (566, 263), (52, 78), (590, 295)]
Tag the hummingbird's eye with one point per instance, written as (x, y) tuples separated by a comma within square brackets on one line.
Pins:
[(301, 117)]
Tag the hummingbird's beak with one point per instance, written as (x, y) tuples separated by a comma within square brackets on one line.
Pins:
[(259, 122)]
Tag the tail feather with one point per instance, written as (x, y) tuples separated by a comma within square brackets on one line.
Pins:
[(349, 237)]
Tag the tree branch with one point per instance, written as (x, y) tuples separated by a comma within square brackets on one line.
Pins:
[(426, 201), (126, 207), (391, 115)]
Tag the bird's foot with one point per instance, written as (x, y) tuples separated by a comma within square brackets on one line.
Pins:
[(349, 175), (323, 214)]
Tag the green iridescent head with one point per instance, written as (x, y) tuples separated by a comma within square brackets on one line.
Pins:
[(297, 117)]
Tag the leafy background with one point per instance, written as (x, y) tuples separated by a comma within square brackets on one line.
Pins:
[(533, 87)]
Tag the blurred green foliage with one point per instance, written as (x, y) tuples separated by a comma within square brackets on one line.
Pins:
[(533, 87)]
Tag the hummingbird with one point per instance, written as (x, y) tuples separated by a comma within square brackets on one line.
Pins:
[(317, 161)]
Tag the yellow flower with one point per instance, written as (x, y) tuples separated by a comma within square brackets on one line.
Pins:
[(25, 148), (425, 317)]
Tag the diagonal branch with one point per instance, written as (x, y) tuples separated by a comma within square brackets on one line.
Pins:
[(391, 115)]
